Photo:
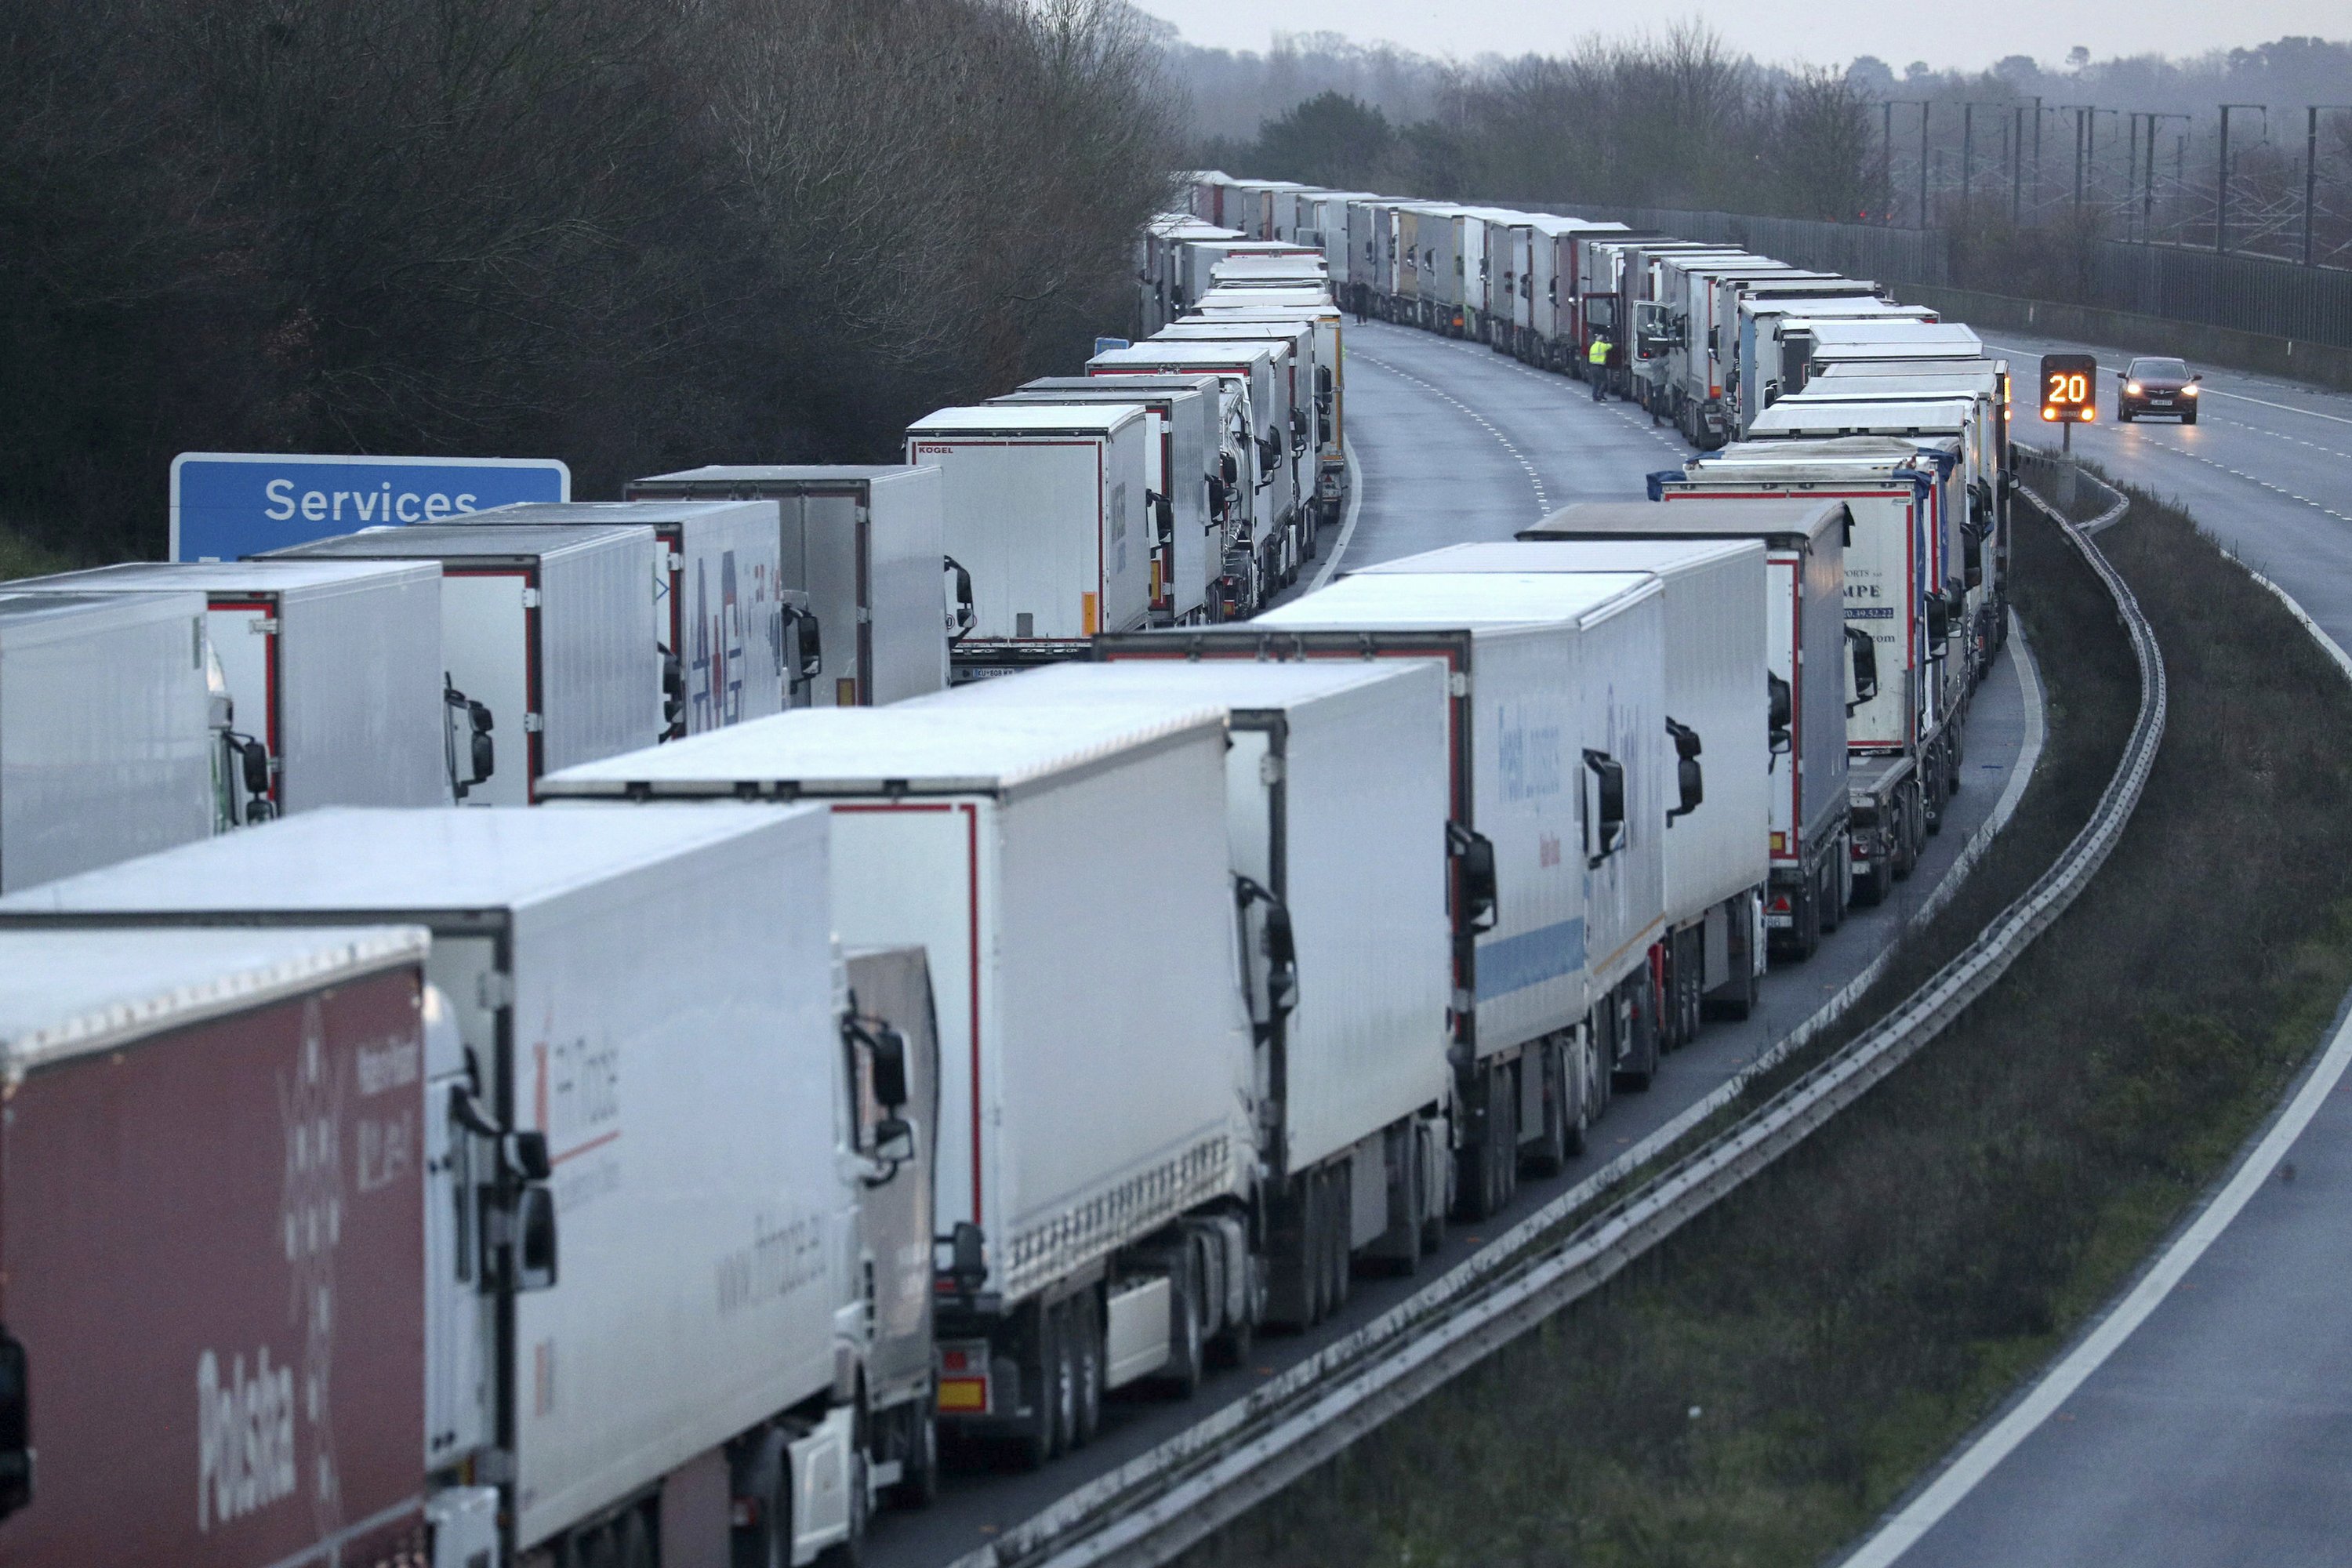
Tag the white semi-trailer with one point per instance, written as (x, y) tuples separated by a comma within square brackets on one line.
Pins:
[(642, 1319), (733, 645), (545, 628), (107, 743), (1352, 1086), (866, 545), (1715, 746), (1557, 888), (1181, 453), (1096, 1150), (332, 667), (1810, 673), (1045, 506)]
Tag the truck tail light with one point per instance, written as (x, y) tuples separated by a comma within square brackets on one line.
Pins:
[(1780, 904), (963, 1380)]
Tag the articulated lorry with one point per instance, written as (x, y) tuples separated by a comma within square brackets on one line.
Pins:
[(864, 543)]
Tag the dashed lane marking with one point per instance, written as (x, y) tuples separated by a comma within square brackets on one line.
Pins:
[(1543, 502)]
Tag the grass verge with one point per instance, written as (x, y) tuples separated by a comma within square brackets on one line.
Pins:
[(1758, 1389)]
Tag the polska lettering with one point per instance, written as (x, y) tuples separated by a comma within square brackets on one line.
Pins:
[(245, 1437)]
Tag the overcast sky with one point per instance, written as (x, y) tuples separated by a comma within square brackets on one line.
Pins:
[(1815, 31)]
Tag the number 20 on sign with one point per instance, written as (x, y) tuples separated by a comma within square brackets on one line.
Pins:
[(2070, 388)]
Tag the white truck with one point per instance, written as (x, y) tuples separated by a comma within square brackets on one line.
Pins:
[(1159, 273), (1715, 745), (866, 545), (1805, 540), (643, 1317), (107, 747), (1097, 1149), (1180, 452), (1256, 482), (545, 628), (1351, 1082), (1297, 378), (1556, 887), (1330, 378), (334, 669), (733, 645), (1767, 322), (1905, 734)]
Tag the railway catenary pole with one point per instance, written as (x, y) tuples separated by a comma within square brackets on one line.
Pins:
[(2222, 186), (2311, 166), (2148, 176), (2017, 167), (1923, 162)]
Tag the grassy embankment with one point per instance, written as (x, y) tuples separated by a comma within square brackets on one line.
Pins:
[(1758, 1388)]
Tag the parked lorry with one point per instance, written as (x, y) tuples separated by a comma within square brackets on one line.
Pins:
[(1774, 337), (641, 1317), (1557, 885), (1350, 1079), (734, 643), (1097, 1152), (1299, 385), (1905, 732), (107, 747), (1811, 669), (1181, 453), (1044, 505), (866, 543), (1330, 376), (1715, 745), (544, 628), (212, 1249), (1258, 495), (1159, 274)]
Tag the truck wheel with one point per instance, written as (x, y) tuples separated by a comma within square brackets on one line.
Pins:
[(635, 1541), (1833, 897), (601, 1548), (1086, 1339), (1234, 1342), (1343, 1241), (1550, 1155), (850, 1551), (918, 1473), (1181, 1379), (1046, 1377)]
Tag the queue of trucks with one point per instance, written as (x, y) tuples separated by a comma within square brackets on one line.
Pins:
[(605, 1033)]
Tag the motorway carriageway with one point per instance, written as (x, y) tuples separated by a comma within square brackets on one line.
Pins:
[(2206, 1416), (1454, 442)]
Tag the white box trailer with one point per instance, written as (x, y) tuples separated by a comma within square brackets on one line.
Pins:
[(546, 628), (1285, 436), (1718, 829), (734, 646), (1096, 1142), (1558, 888), (1257, 484), (1199, 258), (1351, 1078), (1330, 378), (107, 745), (867, 544), (1044, 504), (1805, 540), (1181, 453), (333, 666), (1776, 343), (679, 1311)]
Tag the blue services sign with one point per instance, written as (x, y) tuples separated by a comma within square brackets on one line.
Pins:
[(229, 505)]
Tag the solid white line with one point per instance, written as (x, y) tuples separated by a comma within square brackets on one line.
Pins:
[(1347, 526), (1900, 1534), (1904, 1530)]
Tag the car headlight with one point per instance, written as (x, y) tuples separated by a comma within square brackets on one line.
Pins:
[(2132, 387), (2188, 392)]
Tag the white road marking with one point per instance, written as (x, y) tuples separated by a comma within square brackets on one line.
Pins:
[(1347, 527)]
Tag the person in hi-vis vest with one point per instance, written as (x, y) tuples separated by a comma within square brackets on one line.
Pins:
[(1597, 357)]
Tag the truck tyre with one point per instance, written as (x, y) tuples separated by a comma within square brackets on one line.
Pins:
[(1343, 1238), (1549, 1157), (1832, 896), (1182, 1377), (599, 1547), (1086, 1338), (918, 1473), (1044, 1375), (635, 1543), (1416, 1234)]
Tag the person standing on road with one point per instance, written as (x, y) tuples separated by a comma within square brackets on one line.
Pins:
[(1363, 305), (1596, 359)]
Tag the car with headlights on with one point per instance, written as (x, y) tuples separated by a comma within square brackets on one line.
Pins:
[(2158, 386)]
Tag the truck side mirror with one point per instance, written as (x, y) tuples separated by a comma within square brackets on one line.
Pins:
[(15, 1427), (894, 1141), (535, 1225), (965, 618), (1474, 854), (527, 1156), (1228, 469), (1939, 619), (254, 758), (1163, 515), (1688, 778), (967, 1258), (1609, 776), (1864, 652), (890, 1050), (1781, 712), (461, 715), (673, 678)]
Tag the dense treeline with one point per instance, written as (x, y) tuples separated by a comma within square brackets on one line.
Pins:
[(633, 234), (1676, 121)]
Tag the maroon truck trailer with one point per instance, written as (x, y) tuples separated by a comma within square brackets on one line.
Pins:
[(212, 1248)]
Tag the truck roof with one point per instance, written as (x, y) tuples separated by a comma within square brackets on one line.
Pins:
[(1853, 450), (1660, 557), (656, 513), (1204, 384), (1873, 380), (1228, 683), (1374, 601), (767, 478), (1695, 519), (1864, 332), (446, 541), (1158, 353), (1830, 416), (68, 994), (232, 576), (32, 619), (379, 860), (926, 748), (1029, 419)]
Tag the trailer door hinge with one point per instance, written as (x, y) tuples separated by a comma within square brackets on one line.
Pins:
[(530, 598), (532, 723), (1465, 1003), (1458, 683), (493, 989), (865, 617), (263, 625), (1269, 769), (677, 562)]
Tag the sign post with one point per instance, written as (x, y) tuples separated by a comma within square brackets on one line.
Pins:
[(229, 505), (2070, 394)]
